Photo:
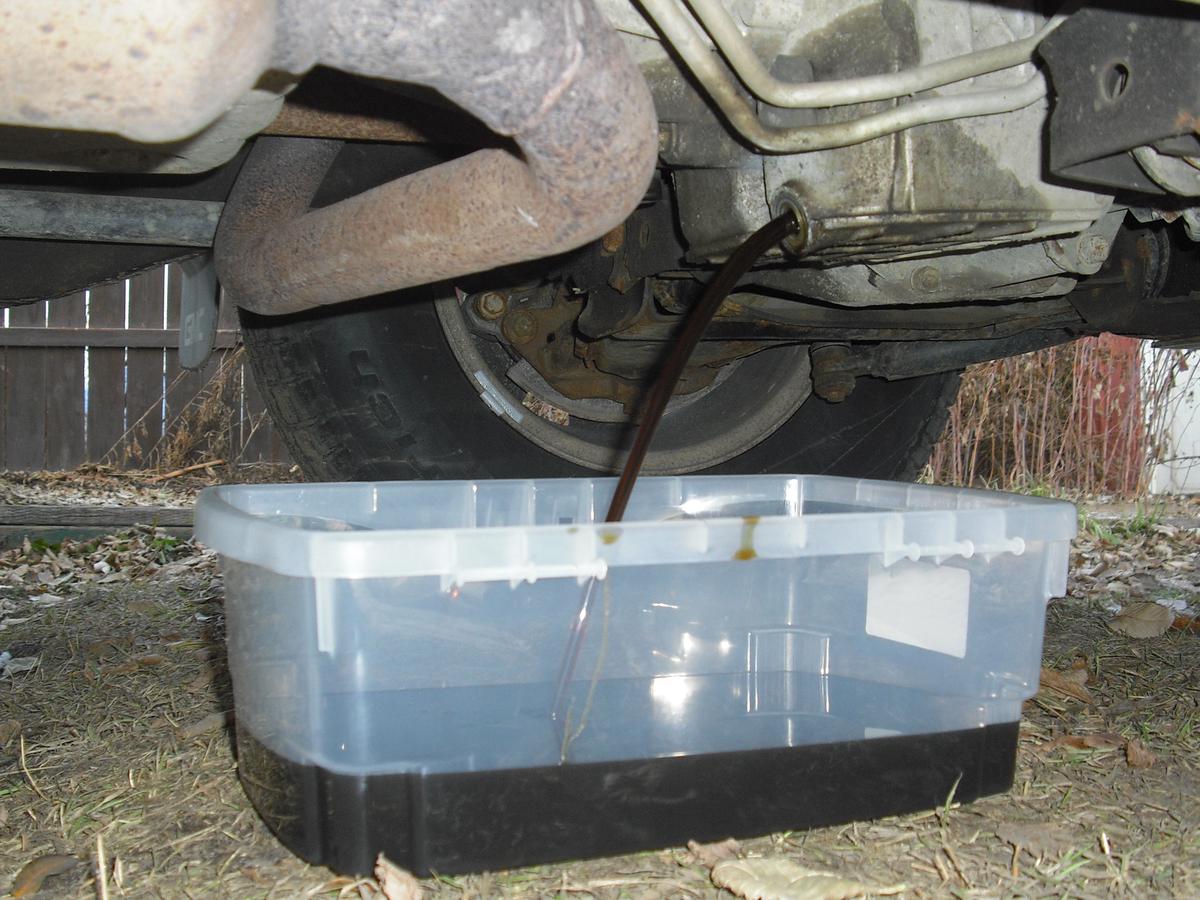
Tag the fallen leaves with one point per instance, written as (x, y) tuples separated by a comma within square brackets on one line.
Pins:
[(782, 879), (1069, 683), (60, 571), (135, 664), (29, 880), (395, 883), (1144, 619), (1138, 559), (710, 854), (211, 723), (1099, 741), (1137, 756)]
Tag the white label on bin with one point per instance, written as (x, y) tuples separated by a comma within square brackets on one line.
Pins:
[(920, 604)]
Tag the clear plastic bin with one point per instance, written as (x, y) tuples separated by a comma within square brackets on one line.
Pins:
[(388, 636)]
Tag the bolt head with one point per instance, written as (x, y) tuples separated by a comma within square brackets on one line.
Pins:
[(926, 279), (491, 305), (519, 327), (1093, 249), (613, 240)]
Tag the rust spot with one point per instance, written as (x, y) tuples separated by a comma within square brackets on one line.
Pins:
[(610, 537), (747, 551), (1127, 272), (612, 241), (1186, 120)]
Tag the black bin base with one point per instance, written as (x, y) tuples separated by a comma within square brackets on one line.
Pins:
[(478, 821)]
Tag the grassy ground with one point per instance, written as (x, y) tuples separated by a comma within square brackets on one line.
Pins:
[(117, 743)]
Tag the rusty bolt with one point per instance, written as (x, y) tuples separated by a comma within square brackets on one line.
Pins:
[(1093, 250), (831, 378), (613, 240), (927, 279), (519, 327), (491, 306)]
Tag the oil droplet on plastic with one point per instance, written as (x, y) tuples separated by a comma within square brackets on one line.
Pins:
[(747, 551)]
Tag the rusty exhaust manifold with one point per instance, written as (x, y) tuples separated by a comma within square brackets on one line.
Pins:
[(550, 74)]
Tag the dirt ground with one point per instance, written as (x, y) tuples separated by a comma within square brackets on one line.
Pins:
[(116, 741)]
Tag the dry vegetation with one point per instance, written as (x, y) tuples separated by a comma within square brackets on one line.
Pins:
[(214, 424), (1084, 418), (117, 741)]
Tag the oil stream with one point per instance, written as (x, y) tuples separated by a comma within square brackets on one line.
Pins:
[(738, 263)]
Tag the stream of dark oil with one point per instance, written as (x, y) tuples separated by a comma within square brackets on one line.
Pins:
[(659, 396)]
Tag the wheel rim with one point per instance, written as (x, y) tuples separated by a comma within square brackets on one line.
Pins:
[(744, 406)]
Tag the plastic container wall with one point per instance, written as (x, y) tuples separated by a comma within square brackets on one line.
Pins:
[(421, 626)]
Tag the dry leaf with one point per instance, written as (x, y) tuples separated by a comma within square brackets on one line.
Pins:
[(1100, 741), (29, 879), (125, 668), (395, 882), (210, 723), (1039, 839), (203, 680), (106, 648), (1181, 623), (150, 659), (1143, 620), (782, 879), (711, 854), (1068, 686), (1137, 755)]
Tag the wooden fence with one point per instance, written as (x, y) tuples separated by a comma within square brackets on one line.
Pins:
[(94, 377)]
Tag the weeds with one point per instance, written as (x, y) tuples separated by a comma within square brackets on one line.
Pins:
[(1087, 417), (215, 423)]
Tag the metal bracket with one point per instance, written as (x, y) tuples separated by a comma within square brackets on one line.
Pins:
[(198, 309)]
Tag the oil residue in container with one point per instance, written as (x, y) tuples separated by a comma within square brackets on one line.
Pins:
[(746, 551)]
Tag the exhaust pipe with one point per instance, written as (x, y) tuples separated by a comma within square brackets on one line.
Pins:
[(551, 74)]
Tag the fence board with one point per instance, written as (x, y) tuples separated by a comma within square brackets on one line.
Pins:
[(66, 445), (106, 374), (144, 391), (25, 437), (92, 383)]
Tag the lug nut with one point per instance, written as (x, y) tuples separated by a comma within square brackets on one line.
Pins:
[(491, 306)]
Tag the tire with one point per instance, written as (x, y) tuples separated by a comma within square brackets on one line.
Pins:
[(374, 391)]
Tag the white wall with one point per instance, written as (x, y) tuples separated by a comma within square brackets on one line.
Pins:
[(1179, 473)]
